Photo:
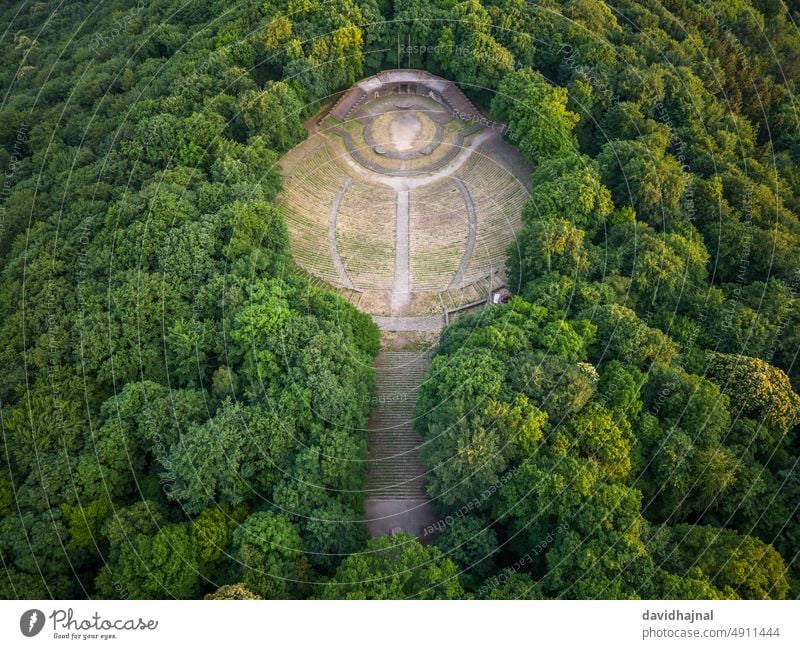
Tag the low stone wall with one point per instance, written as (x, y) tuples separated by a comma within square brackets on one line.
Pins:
[(418, 82)]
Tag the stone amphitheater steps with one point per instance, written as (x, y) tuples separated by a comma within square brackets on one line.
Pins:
[(453, 298), (395, 469)]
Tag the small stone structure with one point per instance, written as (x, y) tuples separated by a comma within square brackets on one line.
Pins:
[(501, 296), (407, 82)]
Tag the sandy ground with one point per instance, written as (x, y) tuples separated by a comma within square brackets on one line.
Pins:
[(404, 130)]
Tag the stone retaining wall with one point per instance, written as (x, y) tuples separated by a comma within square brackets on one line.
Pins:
[(417, 82)]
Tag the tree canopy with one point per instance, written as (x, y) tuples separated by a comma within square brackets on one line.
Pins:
[(182, 410)]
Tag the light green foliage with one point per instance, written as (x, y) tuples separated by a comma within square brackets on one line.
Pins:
[(537, 116), (757, 390), (569, 188), (552, 383), (320, 47), (473, 430), (623, 336), (275, 113), (664, 268), (161, 566), (740, 566), (232, 592), (547, 245), (148, 557), (213, 532), (593, 434), (468, 50), (213, 462), (509, 584)]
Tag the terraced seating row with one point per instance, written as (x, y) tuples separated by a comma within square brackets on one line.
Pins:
[(478, 290), (498, 197), (453, 232), (305, 202), (419, 82), (365, 234), (458, 101), (439, 230), (348, 103), (351, 295)]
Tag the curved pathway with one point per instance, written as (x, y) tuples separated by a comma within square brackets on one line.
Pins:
[(412, 182), (388, 171), (472, 224), (344, 278), (435, 141)]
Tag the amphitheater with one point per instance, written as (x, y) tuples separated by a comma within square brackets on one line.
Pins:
[(404, 199)]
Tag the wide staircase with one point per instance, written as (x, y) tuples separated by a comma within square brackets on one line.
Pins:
[(395, 469)]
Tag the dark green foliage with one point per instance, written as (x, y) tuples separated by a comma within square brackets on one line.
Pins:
[(162, 566), (181, 410), (275, 113), (641, 174), (331, 533), (544, 246), (395, 567), (472, 544), (509, 584), (270, 552), (171, 371)]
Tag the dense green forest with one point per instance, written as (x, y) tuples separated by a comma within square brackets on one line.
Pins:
[(182, 412)]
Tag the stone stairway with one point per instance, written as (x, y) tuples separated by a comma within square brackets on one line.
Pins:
[(395, 470)]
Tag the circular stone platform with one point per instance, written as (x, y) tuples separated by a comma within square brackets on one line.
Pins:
[(403, 134), (402, 200)]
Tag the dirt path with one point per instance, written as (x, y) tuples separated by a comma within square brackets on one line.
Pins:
[(401, 287), (472, 224), (413, 323), (344, 278)]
